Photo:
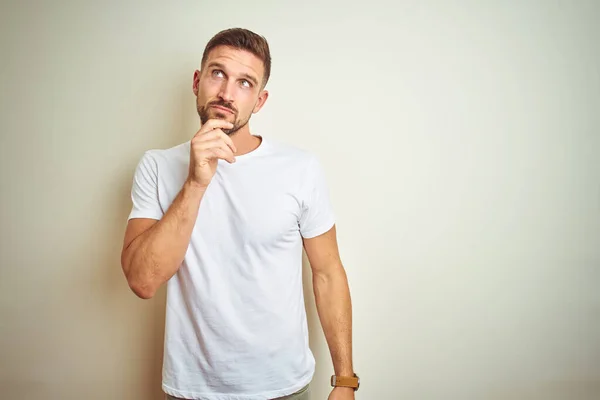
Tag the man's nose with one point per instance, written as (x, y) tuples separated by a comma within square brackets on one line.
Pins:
[(226, 92)]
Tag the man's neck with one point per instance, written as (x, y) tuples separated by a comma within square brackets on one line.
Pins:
[(245, 142)]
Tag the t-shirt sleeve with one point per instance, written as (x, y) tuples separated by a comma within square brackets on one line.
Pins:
[(317, 215), (144, 191)]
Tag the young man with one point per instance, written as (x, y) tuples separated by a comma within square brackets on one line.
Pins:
[(222, 219)]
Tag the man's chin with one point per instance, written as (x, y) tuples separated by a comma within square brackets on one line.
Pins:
[(225, 116), (222, 115)]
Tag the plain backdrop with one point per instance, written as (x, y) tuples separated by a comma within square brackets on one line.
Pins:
[(460, 140)]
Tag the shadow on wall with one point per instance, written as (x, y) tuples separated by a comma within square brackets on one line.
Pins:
[(153, 369)]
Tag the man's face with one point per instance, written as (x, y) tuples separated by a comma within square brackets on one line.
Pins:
[(229, 87)]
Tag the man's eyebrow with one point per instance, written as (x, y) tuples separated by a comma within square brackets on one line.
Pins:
[(215, 64), (250, 78)]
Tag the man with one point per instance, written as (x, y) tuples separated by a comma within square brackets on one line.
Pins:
[(222, 219)]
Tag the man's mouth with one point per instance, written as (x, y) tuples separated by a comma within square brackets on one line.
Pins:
[(225, 109)]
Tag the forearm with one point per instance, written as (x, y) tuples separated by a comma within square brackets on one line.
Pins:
[(156, 255), (332, 297)]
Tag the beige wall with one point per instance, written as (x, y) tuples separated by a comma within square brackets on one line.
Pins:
[(462, 147)]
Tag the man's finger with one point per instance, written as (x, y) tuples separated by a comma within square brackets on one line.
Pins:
[(230, 153), (217, 145), (227, 140), (218, 134), (218, 152), (216, 123), (209, 144)]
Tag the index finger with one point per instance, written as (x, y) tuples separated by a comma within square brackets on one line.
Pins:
[(227, 140), (215, 124)]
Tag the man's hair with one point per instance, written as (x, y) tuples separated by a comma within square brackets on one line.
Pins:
[(242, 39)]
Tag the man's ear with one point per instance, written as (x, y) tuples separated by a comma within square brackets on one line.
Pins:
[(261, 101), (196, 82)]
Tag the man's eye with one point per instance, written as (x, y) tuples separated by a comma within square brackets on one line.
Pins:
[(217, 73), (245, 83)]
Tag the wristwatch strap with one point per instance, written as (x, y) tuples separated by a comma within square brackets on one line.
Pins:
[(345, 381)]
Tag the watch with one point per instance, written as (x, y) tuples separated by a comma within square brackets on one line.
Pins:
[(346, 381)]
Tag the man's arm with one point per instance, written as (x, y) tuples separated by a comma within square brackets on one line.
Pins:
[(332, 297), (153, 250)]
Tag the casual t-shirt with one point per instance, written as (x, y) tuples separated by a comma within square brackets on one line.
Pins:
[(235, 319)]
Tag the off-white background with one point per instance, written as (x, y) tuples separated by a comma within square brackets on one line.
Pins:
[(460, 139)]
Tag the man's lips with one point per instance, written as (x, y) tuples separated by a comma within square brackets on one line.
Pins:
[(221, 108)]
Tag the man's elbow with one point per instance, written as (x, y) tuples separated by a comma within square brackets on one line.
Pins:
[(333, 272), (142, 290)]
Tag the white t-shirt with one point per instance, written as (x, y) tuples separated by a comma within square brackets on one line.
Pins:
[(235, 320)]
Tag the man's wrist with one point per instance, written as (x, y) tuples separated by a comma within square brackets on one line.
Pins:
[(193, 190), (347, 381), (344, 371), (190, 184)]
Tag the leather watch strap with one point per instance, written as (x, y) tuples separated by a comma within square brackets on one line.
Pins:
[(345, 381)]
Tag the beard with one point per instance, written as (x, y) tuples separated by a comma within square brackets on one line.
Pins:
[(206, 113)]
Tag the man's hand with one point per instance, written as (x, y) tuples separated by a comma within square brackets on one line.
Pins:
[(207, 146), (341, 393)]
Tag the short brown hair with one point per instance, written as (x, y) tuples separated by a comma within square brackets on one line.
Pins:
[(242, 39)]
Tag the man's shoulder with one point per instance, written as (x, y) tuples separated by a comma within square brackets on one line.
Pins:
[(291, 151), (171, 154)]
